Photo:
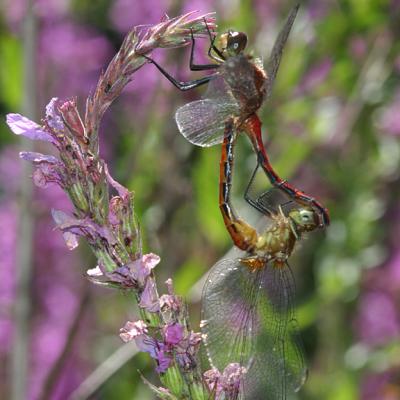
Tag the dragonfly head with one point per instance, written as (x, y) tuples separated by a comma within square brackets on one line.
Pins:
[(304, 218), (233, 43)]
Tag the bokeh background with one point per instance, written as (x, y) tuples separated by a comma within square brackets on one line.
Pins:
[(332, 127)]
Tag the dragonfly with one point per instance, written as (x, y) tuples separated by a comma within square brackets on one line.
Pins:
[(247, 303), (236, 90)]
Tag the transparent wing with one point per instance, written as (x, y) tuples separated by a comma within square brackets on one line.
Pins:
[(278, 366), (202, 122), (277, 51), (228, 316), (249, 319)]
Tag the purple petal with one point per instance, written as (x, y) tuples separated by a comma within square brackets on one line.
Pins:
[(164, 361), (148, 344), (149, 297), (132, 330), (21, 125), (194, 339), (231, 379), (95, 272), (173, 334), (87, 228), (52, 115), (150, 260), (49, 168), (171, 302), (123, 277), (38, 157), (142, 267), (70, 239), (212, 377), (123, 192), (45, 174), (120, 277)]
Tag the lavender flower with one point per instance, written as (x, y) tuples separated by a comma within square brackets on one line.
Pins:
[(107, 222), (21, 125)]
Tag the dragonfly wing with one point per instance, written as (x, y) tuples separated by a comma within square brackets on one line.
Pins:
[(278, 367), (277, 50), (228, 314), (202, 122)]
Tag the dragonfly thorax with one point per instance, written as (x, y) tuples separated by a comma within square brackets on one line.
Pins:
[(277, 242)]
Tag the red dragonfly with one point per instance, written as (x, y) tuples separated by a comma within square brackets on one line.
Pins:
[(236, 91), (247, 302)]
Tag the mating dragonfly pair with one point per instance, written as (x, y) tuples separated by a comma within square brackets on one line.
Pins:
[(247, 311)]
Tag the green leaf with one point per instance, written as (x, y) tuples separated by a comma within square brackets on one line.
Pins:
[(10, 71)]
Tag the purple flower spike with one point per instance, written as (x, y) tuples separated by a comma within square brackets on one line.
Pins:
[(21, 125)]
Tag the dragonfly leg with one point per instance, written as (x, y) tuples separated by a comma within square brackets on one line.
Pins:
[(253, 130), (296, 194), (199, 67), (180, 85), (243, 235), (262, 208)]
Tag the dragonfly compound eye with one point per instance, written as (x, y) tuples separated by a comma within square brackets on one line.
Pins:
[(305, 218), (236, 42)]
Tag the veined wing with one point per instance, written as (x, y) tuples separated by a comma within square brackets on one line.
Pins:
[(277, 51), (228, 317), (249, 319), (278, 368), (202, 122)]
